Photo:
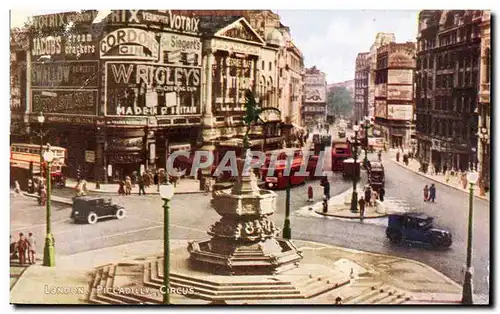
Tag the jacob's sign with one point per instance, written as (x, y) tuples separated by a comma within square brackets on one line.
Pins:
[(130, 43)]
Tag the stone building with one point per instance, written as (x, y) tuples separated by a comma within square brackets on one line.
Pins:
[(484, 107), (314, 103), (447, 84), (361, 77), (394, 93), (380, 40), (124, 91)]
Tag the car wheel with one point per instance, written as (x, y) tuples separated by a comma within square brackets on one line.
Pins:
[(92, 218), (395, 237), (120, 213), (437, 242)]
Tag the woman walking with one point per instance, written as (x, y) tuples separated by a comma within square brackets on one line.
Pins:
[(426, 193)]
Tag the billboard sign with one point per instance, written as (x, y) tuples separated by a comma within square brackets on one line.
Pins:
[(400, 92), (381, 109), (76, 102), (140, 89), (400, 76), (400, 112), (65, 74), (381, 90)]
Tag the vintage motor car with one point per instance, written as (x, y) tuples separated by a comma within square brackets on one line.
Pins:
[(376, 176), (90, 209), (416, 227)]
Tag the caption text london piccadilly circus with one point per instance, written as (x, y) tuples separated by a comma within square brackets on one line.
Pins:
[(252, 160)]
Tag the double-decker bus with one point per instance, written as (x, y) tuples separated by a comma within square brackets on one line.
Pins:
[(23, 155), (278, 179), (341, 150)]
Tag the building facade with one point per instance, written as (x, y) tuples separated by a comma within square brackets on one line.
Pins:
[(123, 91), (484, 107), (447, 85), (380, 40), (361, 77), (394, 93), (314, 102)]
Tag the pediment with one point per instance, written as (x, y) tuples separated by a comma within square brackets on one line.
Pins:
[(242, 31)]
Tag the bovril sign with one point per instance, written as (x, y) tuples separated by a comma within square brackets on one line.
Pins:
[(130, 43)]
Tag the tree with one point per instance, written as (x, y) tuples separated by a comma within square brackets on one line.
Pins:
[(339, 101)]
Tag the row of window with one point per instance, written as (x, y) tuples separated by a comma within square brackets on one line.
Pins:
[(456, 104), (450, 60), (465, 33), (460, 79), (445, 127)]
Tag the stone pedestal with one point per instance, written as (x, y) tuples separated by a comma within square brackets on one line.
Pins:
[(244, 240)]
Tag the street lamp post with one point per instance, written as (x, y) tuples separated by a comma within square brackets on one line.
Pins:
[(354, 199), (485, 138), (49, 255), (467, 287), (166, 193), (40, 133), (287, 230), (366, 125)]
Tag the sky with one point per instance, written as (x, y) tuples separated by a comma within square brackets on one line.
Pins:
[(329, 39)]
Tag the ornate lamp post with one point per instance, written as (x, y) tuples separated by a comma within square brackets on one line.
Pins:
[(485, 139), (41, 119), (166, 193), (287, 230), (467, 287), (49, 254), (366, 124), (354, 199)]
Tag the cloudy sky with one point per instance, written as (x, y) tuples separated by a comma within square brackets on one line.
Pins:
[(329, 39)]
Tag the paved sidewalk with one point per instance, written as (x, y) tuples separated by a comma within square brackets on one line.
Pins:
[(453, 182), (339, 206), (184, 186), (424, 284)]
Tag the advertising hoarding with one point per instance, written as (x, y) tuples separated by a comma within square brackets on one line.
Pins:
[(65, 74), (400, 76), (140, 89), (400, 112), (65, 101), (381, 109), (381, 90), (400, 92)]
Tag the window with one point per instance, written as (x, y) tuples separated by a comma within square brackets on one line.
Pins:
[(270, 66), (263, 65), (488, 64)]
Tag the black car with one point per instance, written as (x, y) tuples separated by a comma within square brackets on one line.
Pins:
[(416, 227), (89, 209)]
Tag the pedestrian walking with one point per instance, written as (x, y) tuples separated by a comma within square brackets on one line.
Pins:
[(43, 196), (432, 193), (426, 193), (326, 187), (31, 248), (13, 249), (17, 187), (397, 156), (310, 193), (362, 204), (368, 195), (128, 185), (374, 198), (121, 187), (379, 155), (325, 204), (141, 185), (207, 185), (31, 189), (22, 247), (381, 193)]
